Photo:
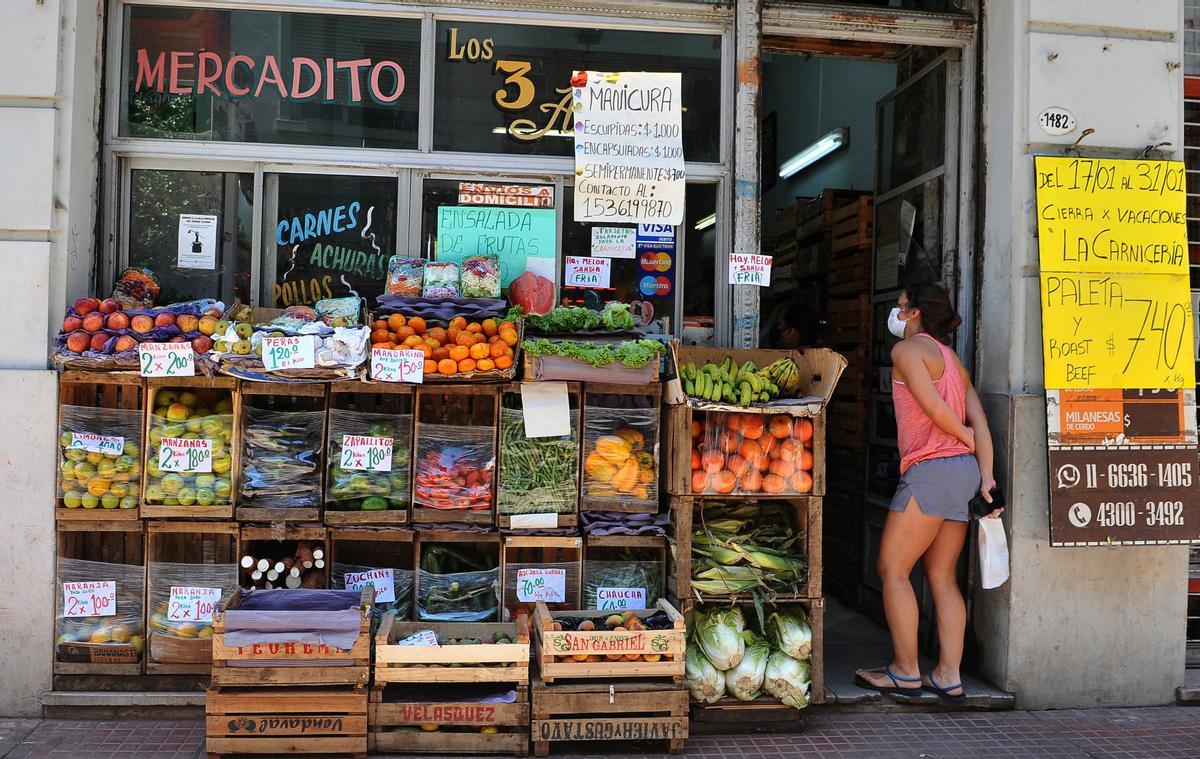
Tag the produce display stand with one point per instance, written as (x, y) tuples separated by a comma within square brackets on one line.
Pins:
[(391, 398), (452, 406), (561, 653), (376, 548), (100, 390), (201, 543), (477, 543), (535, 552), (609, 710), (281, 540), (428, 679), (651, 393), (565, 519), (560, 368), (282, 721), (287, 397), (155, 385)]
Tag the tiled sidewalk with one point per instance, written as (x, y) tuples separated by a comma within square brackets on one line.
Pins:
[(1127, 733)]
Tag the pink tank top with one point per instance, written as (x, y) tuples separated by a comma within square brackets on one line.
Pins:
[(919, 437)]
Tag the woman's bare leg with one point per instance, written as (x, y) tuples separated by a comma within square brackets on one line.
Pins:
[(941, 572)]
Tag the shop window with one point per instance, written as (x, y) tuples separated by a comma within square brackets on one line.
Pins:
[(186, 266), (503, 88), (912, 145), (1191, 39), (261, 76)]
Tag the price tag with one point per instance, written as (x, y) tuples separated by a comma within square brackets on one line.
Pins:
[(366, 453), (383, 580), (542, 584), (583, 271), (620, 598), (423, 638), (90, 599), (749, 269), (86, 441), (167, 360), (178, 454), (295, 352), (192, 604), (397, 365)]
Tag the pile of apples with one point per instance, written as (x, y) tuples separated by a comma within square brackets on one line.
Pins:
[(94, 323)]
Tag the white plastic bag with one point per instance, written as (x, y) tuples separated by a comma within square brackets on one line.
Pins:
[(993, 553)]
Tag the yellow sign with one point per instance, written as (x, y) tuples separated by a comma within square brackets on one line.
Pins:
[(1116, 300)]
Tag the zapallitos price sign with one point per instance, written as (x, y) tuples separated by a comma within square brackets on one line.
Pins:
[(1117, 342), (366, 453)]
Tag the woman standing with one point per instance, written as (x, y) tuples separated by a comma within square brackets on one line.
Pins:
[(945, 458)]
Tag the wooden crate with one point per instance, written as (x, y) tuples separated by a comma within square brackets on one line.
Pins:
[(611, 710), (478, 543), (329, 666), (112, 542), (278, 541), (390, 398), (200, 543), (276, 721), (540, 552), (610, 548), (852, 224), (512, 394), (377, 548), (590, 499), (451, 406), (819, 371), (155, 385), (102, 390), (488, 663), (292, 396), (459, 723), (554, 645)]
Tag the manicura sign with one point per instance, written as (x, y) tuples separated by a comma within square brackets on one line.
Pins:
[(299, 78)]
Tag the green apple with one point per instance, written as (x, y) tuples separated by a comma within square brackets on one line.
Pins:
[(170, 501), (75, 454), (110, 501), (72, 499), (194, 424), (172, 483), (223, 406), (205, 496), (223, 488), (189, 399), (129, 502), (205, 481), (90, 501), (125, 463), (154, 493), (222, 464), (186, 496)]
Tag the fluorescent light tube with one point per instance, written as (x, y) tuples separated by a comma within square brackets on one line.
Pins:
[(836, 139), (706, 222)]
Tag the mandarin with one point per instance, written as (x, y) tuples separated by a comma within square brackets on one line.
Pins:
[(380, 336), (509, 337), (485, 365), (458, 322), (395, 322), (503, 362), (379, 324), (447, 366), (459, 352), (475, 327), (498, 349), (417, 324), (490, 327), (431, 366), (405, 332), (478, 351), (466, 365)]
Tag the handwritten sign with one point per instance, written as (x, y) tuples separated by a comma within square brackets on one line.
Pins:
[(166, 360), (513, 235), (422, 638), (510, 195), (295, 352), (749, 269), (397, 365), (383, 580), (177, 454), (90, 599), (366, 453), (614, 242), (1116, 304), (86, 441), (592, 273), (547, 584), (620, 598), (192, 603), (628, 147)]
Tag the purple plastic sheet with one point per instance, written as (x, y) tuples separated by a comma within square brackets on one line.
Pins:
[(314, 617), (443, 309), (298, 599), (620, 523)]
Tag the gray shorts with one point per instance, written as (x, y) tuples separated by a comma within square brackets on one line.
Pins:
[(941, 487)]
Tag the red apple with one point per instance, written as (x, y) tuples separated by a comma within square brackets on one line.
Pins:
[(72, 323), (98, 341), (187, 323), (86, 305), (93, 322), (142, 324), (78, 342), (124, 343), (178, 339), (164, 319), (109, 306), (202, 344), (117, 320)]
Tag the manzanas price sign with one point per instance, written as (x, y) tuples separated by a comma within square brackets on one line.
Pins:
[(1117, 344)]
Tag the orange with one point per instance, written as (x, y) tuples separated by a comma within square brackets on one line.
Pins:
[(508, 325), (728, 441), (412, 341), (426, 350), (806, 461), (801, 482), (405, 332), (417, 324), (751, 481), (699, 482), (509, 337), (773, 483), (790, 450), (379, 324), (498, 350), (750, 449), (478, 351), (380, 336), (485, 365), (466, 365), (781, 426), (503, 362), (737, 465), (724, 481), (395, 322), (452, 335), (753, 426), (475, 327), (431, 367), (695, 459), (459, 352), (458, 322), (437, 333), (803, 430), (465, 338), (712, 460), (441, 353), (697, 428), (490, 327), (782, 468), (447, 366)]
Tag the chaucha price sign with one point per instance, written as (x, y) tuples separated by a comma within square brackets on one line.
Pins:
[(1117, 339)]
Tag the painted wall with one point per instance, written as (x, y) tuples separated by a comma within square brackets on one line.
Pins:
[(811, 98)]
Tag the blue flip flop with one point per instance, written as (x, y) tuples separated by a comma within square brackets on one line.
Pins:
[(942, 693), (895, 690)]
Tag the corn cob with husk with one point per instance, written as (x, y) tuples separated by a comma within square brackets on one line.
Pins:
[(746, 548)]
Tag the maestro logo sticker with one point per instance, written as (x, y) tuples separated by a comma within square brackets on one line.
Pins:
[(652, 286)]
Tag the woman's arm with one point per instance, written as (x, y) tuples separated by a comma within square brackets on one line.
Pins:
[(984, 453), (915, 374)]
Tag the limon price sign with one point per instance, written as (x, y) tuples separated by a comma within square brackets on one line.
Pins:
[(86, 441), (542, 584), (383, 580), (167, 360), (176, 454), (296, 352), (397, 365), (90, 599), (366, 453), (192, 604), (749, 269)]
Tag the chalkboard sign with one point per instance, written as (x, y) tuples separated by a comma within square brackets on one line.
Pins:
[(512, 234)]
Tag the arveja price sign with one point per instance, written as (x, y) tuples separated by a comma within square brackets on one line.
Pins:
[(366, 453), (295, 352), (90, 599), (86, 441), (749, 269), (192, 604), (383, 580), (542, 584), (397, 365), (176, 454), (166, 360)]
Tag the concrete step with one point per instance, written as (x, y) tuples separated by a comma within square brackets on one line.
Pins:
[(117, 698)]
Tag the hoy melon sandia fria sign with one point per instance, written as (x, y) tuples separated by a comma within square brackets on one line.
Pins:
[(1117, 342)]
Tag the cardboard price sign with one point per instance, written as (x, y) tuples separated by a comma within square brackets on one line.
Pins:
[(397, 365), (620, 598), (366, 453), (592, 273), (177, 454), (422, 638), (86, 441), (749, 269), (90, 599), (192, 603), (166, 360), (383, 580), (296, 352), (542, 584)]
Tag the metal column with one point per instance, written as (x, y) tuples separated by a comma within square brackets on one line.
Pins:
[(746, 211)]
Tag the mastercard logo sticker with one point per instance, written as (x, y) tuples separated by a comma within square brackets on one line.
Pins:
[(656, 261), (655, 287)]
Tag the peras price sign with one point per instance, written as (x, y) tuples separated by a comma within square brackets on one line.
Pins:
[(288, 353)]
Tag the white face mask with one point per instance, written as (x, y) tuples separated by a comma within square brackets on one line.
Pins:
[(896, 324)]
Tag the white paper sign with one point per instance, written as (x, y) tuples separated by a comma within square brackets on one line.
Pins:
[(86, 441), (90, 599), (197, 242), (166, 360), (593, 273), (423, 638), (397, 365), (294, 352), (542, 584), (192, 603), (546, 409), (620, 598), (383, 579), (614, 242), (749, 269), (366, 453), (628, 147), (547, 521), (176, 454)]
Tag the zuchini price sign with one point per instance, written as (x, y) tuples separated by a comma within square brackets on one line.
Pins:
[(1117, 329)]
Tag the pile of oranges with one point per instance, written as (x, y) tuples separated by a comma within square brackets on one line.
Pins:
[(462, 346), (752, 453)]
